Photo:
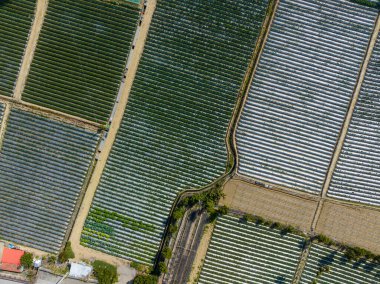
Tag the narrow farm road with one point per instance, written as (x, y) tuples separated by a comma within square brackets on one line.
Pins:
[(4, 119), (35, 30), (80, 251), (347, 121)]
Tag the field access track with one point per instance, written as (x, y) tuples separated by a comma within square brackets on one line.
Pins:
[(80, 57), (301, 91), (357, 174), (43, 164), (248, 253), (172, 136), (16, 19)]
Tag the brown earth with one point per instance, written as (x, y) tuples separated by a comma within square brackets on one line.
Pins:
[(201, 253), (35, 30), (352, 224), (83, 252), (270, 204), (4, 120)]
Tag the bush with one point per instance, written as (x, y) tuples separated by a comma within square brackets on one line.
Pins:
[(179, 213), (259, 220), (223, 210), (247, 218), (356, 253), (67, 253), (324, 239), (162, 268), (105, 273), (51, 259), (27, 260), (173, 229), (166, 252), (145, 279)]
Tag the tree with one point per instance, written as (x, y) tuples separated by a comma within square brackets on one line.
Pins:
[(27, 260), (223, 210), (67, 253), (105, 273), (173, 229), (179, 213), (145, 279), (166, 252), (51, 259), (162, 268)]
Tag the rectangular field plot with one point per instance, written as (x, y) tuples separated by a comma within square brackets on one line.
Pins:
[(301, 91), (249, 253), (172, 136), (340, 269), (357, 175), (16, 18), (43, 164), (80, 57)]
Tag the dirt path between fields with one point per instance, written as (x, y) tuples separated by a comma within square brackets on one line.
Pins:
[(80, 251), (4, 120), (35, 30)]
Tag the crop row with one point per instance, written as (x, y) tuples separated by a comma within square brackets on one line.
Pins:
[(328, 266), (242, 252), (16, 18), (80, 57), (172, 134), (301, 90), (357, 175), (43, 165)]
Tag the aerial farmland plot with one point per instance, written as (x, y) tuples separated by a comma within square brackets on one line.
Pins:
[(301, 90), (80, 57), (13, 39), (357, 174), (341, 270), (172, 136), (249, 253), (43, 164)]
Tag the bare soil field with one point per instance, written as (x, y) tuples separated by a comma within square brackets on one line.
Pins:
[(352, 224), (269, 203)]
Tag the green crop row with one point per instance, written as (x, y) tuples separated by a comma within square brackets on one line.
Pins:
[(80, 57)]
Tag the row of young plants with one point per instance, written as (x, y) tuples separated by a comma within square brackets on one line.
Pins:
[(357, 174), (172, 137), (80, 57), (352, 253), (301, 90), (16, 19), (43, 169), (243, 249)]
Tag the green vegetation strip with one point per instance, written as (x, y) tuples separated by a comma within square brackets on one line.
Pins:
[(80, 57), (172, 137)]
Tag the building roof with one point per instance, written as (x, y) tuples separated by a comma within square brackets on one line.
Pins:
[(11, 259), (12, 256)]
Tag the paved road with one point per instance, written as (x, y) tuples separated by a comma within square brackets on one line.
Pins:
[(189, 238)]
